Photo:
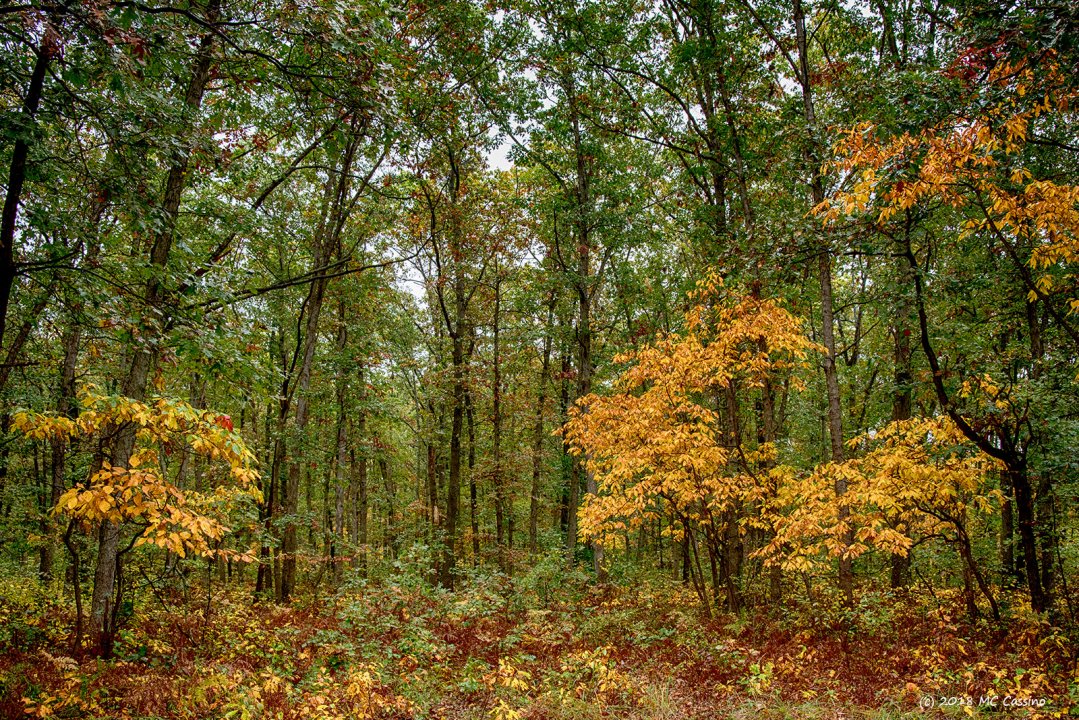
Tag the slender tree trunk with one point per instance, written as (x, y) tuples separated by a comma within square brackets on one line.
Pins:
[(537, 432), (1012, 457), (359, 473), (1047, 537), (473, 517), (335, 210), (584, 283), (289, 540), (496, 431), (831, 376), (568, 497), (972, 571), (456, 326), (768, 434), (902, 396), (268, 580), (65, 406), (340, 487), (50, 45), (393, 541)]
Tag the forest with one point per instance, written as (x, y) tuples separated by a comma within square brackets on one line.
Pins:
[(539, 359)]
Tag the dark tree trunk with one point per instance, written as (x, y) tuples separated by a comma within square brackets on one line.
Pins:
[(567, 498), (496, 434), (65, 406), (359, 478), (473, 516), (17, 172), (902, 395), (342, 455)]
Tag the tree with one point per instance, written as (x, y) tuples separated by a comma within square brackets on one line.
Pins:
[(973, 165), (140, 493), (661, 440)]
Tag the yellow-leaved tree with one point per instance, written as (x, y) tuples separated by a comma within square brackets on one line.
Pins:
[(668, 442), (145, 496), (917, 479), (976, 164), (975, 177)]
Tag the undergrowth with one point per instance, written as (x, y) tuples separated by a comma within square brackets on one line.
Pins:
[(548, 644)]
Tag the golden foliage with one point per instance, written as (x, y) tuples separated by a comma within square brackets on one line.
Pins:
[(184, 521), (973, 163), (659, 437), (918, 477)]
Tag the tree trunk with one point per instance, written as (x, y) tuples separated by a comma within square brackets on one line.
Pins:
[(496, 432), (1024, 505), (831, 376), (359, 474), (584, 283), (568, 499), (902, 395), (392, 541), (135, 383), (537, 433), (1044, 496), (340, 487), (1012, 457), (473, 518), (335, 209), (50, 45), (289, 541), (65, 406)]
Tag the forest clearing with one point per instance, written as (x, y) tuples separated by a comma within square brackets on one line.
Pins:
[(528, 359)]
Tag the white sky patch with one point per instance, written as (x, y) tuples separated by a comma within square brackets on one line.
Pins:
[(498, 158)]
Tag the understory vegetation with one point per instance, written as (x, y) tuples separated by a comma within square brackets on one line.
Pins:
[(545, 644)]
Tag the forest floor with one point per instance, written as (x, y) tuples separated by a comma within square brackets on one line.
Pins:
[(553, 647)]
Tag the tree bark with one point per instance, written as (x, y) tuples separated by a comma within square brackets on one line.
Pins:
[(831, 376), (145, 357), (359, 466), (65, 406), (537, 432), (584, 285), (472, 498), (341, 458), (335, 210), (50, 45), (902, 400), (496, 431)]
